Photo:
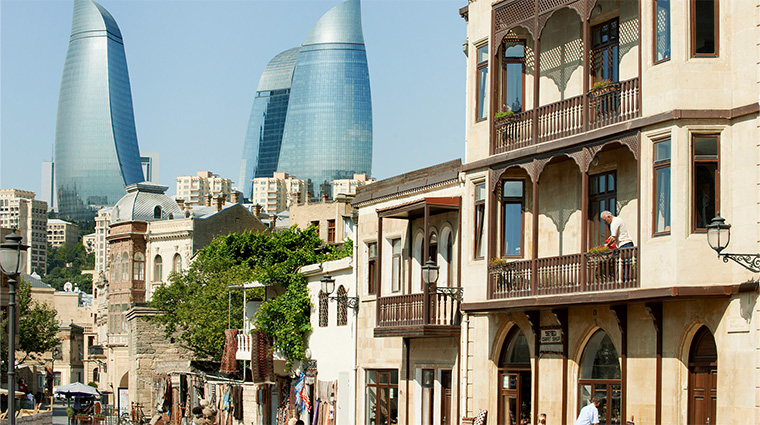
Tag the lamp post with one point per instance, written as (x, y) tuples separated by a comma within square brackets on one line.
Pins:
[(12, 256), (430, 272), (328, 286), (718, 236)]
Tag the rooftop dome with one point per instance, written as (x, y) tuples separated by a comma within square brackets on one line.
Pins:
[(145, 202)]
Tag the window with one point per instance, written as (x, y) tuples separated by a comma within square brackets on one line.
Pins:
[(323, 309), (704, 28), (602, 197), (382, 397), (396, 265), (514, 384), (481, 108), (124, 266), (177, 263), (706, 179), (604, 53), (662, 187), (371, 267), (512, 219), (157, 212), (139, 267), (513, 76), (600, 376), (157, 269), (480, 215), (428, 396), (330, 231), (661, 30), (342, 306)]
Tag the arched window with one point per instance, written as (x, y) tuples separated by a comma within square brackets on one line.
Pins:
[(95, 375), (323, 309), (124, 266), (139, 267), (157, 212), (600, 376), (703, 382), (342, 306), (514, 379), (417, 260), (158, 269), (112, 267), (177, 263), (446, 273)]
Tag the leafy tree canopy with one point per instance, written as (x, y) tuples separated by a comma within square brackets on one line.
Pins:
[(38, 327), (66, 264), (195, 302)]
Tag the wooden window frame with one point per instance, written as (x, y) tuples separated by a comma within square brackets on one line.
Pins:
[(511, 200), (604, 46), (478, 67), (389, 385), (656, 166), (656, 61), (158, 268), (397, 257), (503, 72), (694, 162), (371, 269), (592, 180), (479, 222), (330, 231), (693, 30)]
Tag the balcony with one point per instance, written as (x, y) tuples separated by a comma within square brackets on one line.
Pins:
[(406, 316), (566, 274), (95, 351), (568, 117)]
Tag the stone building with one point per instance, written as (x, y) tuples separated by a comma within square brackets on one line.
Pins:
[(277, 193), (61, 232), (335, 219), (19, 210), (194, 189)]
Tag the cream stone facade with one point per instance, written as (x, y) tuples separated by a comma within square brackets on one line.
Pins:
[(275, 194), (334, 219), (194, 189), (19, 210), (60, 232)]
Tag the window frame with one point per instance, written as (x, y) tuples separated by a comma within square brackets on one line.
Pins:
[(512, 200), (371, 269), (658, 165), (324, 310), (330, 231), (655, 34), (158, 268), (606, 196), (611, 45), (479, 223), (507, 60), (396, 279), (694, 162), (481, 66), (393, 393), (342, 313), (693, 30)]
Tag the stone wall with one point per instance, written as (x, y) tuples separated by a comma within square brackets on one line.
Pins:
[(41, 418)]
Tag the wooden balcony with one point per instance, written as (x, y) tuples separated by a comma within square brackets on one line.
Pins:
[(563, 275), (568, 117), (404, 315)]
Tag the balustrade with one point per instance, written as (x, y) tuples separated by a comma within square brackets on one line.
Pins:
[(407, 310)]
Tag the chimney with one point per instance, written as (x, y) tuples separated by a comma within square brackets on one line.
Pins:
[(181, 203), (257, 210), (272, 221), (219, 202), (234, 197), (208, 199)]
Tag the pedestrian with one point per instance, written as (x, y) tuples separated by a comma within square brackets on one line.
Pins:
[(590, 413)]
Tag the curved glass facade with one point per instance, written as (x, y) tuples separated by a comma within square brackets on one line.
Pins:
[(96, 151), (328, 131), (261, 151)]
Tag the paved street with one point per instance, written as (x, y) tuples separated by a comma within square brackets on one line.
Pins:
[(59, 414)]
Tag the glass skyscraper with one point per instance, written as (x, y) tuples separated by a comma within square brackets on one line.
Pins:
[(261, 151), (327, 131), (96, 151)]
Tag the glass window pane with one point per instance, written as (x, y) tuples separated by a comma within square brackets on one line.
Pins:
[(600, 358), (705, 147), (396, 246), (662, 151), (514, 86), (662, 29), (371, 406), (372, 376), (372, 250), (482, 84), (662, 200), (382, 377), (610, 183), (383, 405), (394, 377), (482, 54), (704, 193), (512, 228), (704, 13), (513, 189), (480, 192)]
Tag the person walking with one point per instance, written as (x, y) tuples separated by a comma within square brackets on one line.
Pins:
[(590, 413)]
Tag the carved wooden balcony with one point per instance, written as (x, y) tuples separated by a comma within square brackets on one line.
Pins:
[(562, 275), (404, 315)]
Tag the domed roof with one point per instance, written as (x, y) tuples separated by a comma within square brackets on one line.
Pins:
[(145, 202)]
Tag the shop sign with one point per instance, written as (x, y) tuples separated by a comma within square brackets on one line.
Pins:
[(550, 340)]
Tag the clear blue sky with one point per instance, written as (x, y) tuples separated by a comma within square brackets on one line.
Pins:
[(194, 66)]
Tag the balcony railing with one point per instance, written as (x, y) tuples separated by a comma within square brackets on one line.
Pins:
[(95, 350), (566, 118), (408, 310), (562, 275)]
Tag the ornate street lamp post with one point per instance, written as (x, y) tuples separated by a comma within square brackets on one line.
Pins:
[(12, 256), (430, 272), (328, 286), (718, 236)]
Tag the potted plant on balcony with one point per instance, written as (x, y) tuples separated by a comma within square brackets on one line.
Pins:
[(602, 87), (498, 265), (505, 115), (601, 262)]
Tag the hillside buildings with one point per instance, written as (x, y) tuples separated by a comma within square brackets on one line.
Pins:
[(193, 190), (19, 210), (312, 117), (96, 151)]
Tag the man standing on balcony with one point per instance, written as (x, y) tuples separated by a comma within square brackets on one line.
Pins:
[(618, 232)]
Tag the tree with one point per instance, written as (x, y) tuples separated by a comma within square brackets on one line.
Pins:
[(195, 302), (66, 264), (38, 326)]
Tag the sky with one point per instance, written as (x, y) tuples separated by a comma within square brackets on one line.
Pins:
[(194, 66)]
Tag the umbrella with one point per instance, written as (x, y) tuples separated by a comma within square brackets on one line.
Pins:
[(77, 389), (19, 394)]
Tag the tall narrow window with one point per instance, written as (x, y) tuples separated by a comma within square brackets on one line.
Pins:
[(704, 28), (602, 197), (139, 267), (396, 265), (371, 267), (481, 107), (330, 231), (661, 30), (480, 215), (323, 309), (158, 269), (605, 52), (662, 187), (512, 218), (342, 319), (124, 266), (177, 263), (706, 179), (513, 76), (382, 397)]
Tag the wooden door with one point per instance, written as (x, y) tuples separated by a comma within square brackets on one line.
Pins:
[(703, 383), (446, 397)]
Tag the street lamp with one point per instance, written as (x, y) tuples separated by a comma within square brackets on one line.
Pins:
[(430, 272), (12, 256), (718, 236), (328, 286)]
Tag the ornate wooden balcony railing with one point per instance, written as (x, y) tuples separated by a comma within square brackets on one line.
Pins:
[(562, 275), (408, 310), (566, 117)]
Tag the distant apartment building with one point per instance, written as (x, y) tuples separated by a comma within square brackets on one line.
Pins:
[(193, 189), (349, 186), (60, 232), (100, 245), (278, 192), (19, 210), (89, 243)]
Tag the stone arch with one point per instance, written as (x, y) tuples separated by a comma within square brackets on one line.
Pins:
[(124, 382), (417, 261)]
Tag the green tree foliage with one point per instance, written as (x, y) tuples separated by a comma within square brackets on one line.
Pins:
[(66, 265), (38, 326), (195, 302)]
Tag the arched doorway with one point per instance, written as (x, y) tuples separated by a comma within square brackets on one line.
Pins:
[(514, 380), (600, 376), (703, 382)]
